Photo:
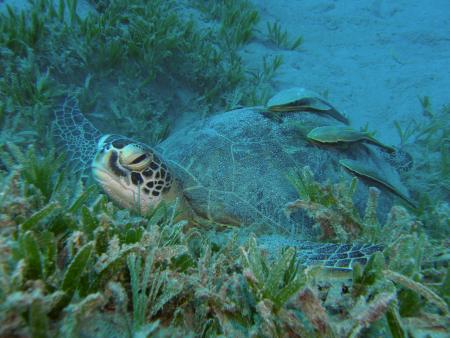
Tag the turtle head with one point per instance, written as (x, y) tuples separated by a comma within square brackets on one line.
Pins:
[(131, 173)]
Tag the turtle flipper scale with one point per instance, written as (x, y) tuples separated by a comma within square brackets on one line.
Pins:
[(335, 256), (76, 134)]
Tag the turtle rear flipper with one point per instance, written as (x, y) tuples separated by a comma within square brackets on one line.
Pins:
[(329, 255), (400, 159), (76, 134), (336, 256)]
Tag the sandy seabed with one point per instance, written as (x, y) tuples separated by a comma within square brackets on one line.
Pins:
[(373, 58)]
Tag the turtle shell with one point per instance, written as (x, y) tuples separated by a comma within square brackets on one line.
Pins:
[(233, 167)]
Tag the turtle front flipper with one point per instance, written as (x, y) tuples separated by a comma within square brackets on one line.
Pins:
[(77, 134), (130, 172)]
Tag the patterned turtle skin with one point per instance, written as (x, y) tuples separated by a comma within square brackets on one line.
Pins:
[(233, 168)]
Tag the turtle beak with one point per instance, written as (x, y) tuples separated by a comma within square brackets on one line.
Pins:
[(99, 167), (115, 180), (106, 162), (107, 172)]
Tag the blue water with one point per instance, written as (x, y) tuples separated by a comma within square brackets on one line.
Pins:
[(139, 106)]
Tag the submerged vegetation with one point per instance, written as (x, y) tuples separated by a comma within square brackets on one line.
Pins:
[(112, 59), (428, 142), (73, 264), (281, 38)]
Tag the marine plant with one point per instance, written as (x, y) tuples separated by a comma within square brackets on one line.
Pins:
[(281, 38), (72, 263), (237, 23), (276, 283), (237, 20), (261, 77), (331, 205), (395, 281), (428, 143), (145, 48)]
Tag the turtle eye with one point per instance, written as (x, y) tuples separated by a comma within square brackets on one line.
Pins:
[(139, 159), (134, 157)]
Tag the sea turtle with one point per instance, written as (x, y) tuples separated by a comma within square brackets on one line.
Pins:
[(229, 168)]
